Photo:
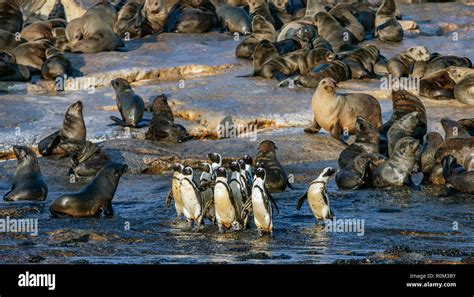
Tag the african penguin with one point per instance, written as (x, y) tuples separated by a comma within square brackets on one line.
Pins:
[(175, 190), (205, 186), (227, 211), (193, 204)]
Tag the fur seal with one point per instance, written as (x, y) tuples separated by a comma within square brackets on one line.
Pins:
[(396, 171), (468, 124), (56, 64), (317, 196), (10, 70), (365, 15), (163, 127), (191, 17), (387, 28), (336, 113), (331, 30), (344, 13), (87, 160), (11, 17), (456, 176), (58, 11), (261, 30), (9, 41), (129, 104), (401, 65), (94, 198), (105, 11), (32, 54), (287, 46), (155, 14), (428, 151), (260, 7), (42, 30), (437, 85), (464, 79), (276, 178), (453, 129), (408, 125), (439, 62), (129, 20), (279, 10), (72, 131), (361, 61), (299, 30), (28, 183), (234, 19)]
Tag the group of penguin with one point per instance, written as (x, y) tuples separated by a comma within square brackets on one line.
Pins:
[(228, 200)]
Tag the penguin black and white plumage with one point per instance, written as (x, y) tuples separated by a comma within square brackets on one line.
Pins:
[(244, 179), (261, 203), (216, 160), (248, 161), (317, 196), (227, 211), (193, 204), (205, 186), (175, 193), (237, 185)]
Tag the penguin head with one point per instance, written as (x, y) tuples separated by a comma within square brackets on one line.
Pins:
[(235, 166), (260, 165), (260, 173), (215, 158), (206, 167), (267, 146), (241, 164), (221, 172), (248, 160), (120, 84), (188, 171), (327, 172), (177, 167)]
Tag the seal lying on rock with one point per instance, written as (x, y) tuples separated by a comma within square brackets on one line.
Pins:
[(261, 30), (387, 28), (437, 85), (336, 113), (457, 178), (32, 54), (163, 127), (454, 129), (129, 104), (336, 70), (234, 19), (28, 183), (129, 20), (94, 198), (276, 178), (87, 160), (408, 125), (464, 79), (56, 64), (10, 70), (401, 65)]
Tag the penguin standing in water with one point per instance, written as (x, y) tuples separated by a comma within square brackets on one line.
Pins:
[(244, 179), (216, 160), (227, 211), (193, 205), (130, 105), (175, 192), (236, 185), (261, 203), (317, 196), (205, 186), (248, 161)]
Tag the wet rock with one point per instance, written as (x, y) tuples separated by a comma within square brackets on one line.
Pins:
[(17, 211), (397, 250), (36, 259), (408, 25), (430, 30), (80, 262)]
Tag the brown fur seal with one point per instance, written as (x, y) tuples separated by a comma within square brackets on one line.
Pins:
[(387, 28), (56, 64), (28, 183), (58, 11), (464, 79), (461, 148), (163, 127), (396, 171), (260, 7), (337, 70), (362, 61), (9, 41), (155, 14), (468, 124), (87, 160), (276, 179), (279, 10), (129, 104), (298, 30), (32, 54), (344, 13), (234, 19), (337, 113), (42, 30), (129, 20), (365, 15), (105, 11), (408, 125), (11, 17), (192, 17), (73, 131), (287, 46), (10, 70), (94, 198), (428, 151), (453, 129), (438, 85), (401, 65), (261, 30), (456, 176), (440, 62), (330, 29)]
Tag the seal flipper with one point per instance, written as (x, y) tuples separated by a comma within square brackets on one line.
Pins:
[(48, 144), (301, 200), (108, 210), (313, 129)]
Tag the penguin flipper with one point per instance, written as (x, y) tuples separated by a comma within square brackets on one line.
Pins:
[(246, 209), (272, 200), (301, 200), (169, 197)]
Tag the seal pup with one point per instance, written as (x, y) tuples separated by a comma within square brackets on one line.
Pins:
[(453, 129), (261, 30), (191, 17), (28, 183), (401, 65), (457, 178), (261, 204), (72, 132), (396, 171), (87, 160), (336, 70), (9, 41), (344, 14), (260, 7), (227, 210), (155, 14), (275, 176), (129, 20), (175, 191), (336, 112), (205, 186), (56, 64), (94, 198), (129, 104), (163, 127), (362, 61), (387, 28), (404, 127), (317, 196), (191, 197), (331, 30)]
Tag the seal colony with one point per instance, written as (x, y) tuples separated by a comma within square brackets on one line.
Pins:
[(316, 46)]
